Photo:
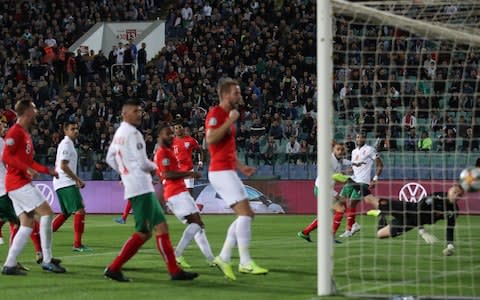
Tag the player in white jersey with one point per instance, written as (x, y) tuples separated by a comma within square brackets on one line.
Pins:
[(364, 157), (68, 185), (340, 166), (127, 155)]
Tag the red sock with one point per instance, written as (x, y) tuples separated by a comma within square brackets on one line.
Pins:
[(13, 232), (350, 217), (1, 225), (78, 228), (166, 250), (310, 227), (337, 220), (128, 250), (35, 237), (127, 209), (58, 221)]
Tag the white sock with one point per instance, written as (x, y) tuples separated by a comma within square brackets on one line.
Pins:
[(203, 244), (46, 237), (18, 244), (230, 242), (187, 237), (244, 235)]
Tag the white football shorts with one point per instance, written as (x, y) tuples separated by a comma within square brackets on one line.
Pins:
[(182, 205), (26, 198), (228, 185)]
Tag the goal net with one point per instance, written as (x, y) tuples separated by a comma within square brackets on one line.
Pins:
[(407, 73)]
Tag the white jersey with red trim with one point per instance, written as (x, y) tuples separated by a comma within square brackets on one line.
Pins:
[(127, 156)]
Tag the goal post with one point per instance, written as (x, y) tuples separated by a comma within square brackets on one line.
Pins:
[(324, 136), (399, 70)]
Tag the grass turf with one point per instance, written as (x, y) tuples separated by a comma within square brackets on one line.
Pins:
[(363, 265)]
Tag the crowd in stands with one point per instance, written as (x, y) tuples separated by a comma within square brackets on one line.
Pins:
[(269, 45), (408, 93), (395, 86)]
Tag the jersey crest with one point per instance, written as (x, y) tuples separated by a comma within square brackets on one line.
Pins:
[(213, 121), (10, 142), (165, 162)]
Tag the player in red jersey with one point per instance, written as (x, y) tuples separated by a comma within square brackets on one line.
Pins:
[(178, 199), (26, 198), (183, 147), (220, 137)]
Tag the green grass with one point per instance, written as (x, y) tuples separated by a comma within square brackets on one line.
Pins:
[(363, 265)]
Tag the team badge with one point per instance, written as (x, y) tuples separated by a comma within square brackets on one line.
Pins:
[(212, 122), (10, 142), (165, 162), (187, 144), (139, 146)]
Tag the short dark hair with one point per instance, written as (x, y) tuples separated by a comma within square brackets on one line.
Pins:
[(68, 123), (22, 106), (132, 102), (162, 127)]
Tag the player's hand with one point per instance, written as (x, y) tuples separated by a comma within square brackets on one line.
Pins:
[(196, 175), (372, 184), (80, 184), (449, 251), (427, 237), (247, 170), (233, 115), (52, 172), (32, 173)]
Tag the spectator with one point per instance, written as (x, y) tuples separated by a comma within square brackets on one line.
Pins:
[(270, 151), (252, 150), (470, 142), (97, 172), (141, 60), (292, 150), (411, 140), (448, 141), (276, 130), (409, 121), (425, 143)]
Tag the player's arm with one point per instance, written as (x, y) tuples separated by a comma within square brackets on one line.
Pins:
[(198, 148), (65, 168), (246, 170), (378, 170), (215, 134), (164, 168), (110, 159), (138, 144)]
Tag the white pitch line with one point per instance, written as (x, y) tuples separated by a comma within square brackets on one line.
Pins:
[(426, 279)]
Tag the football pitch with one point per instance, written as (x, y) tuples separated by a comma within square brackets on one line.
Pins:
[(405, 265)]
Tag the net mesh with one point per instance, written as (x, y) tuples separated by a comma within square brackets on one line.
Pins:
[(407, 73)]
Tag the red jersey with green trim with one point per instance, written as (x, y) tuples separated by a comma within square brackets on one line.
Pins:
[(18, 157)]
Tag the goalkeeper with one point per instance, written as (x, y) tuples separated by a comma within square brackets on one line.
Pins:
[(408, 215)]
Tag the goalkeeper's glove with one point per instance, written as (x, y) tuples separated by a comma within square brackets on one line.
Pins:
[(427, 237), (450, 250)]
